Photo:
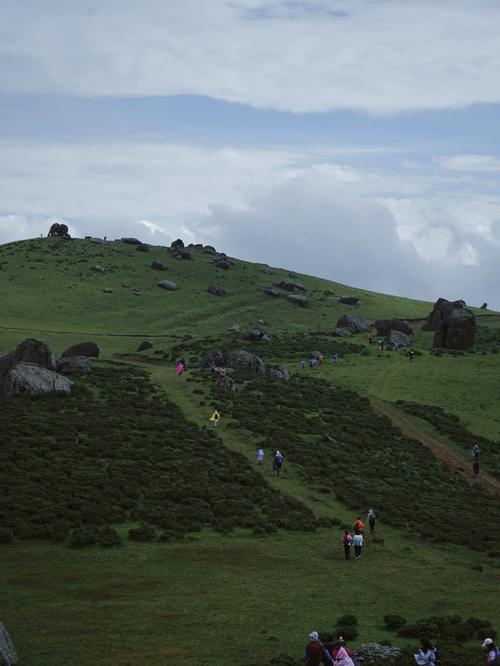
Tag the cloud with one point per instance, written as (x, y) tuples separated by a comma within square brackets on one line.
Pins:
[(380, 57), (474, 163)]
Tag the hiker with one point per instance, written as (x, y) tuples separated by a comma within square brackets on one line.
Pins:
[(358, 526), (302, 364), (411, 354), (340, 643), (475, 468), (357, 541), (222, 372), (372, 519), (321, 359), (342, 657), (334, 359), (215, 418), (426, 654), (475, 452), (180, 368), (260, 456), (183, 361), (490, 651), (315, 653), (277, 462), (370, 339), (346, 539)]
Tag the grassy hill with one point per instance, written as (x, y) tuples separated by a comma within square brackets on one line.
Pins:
[(226, 563)]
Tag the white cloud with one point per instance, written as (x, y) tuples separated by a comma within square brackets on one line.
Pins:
[(385, 56), (474, 163)]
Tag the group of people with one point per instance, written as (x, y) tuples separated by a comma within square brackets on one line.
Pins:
[(356, 539), (318, 362), (277, 460), (338, 653)]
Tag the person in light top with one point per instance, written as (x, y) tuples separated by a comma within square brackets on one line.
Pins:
[(357, 542), (490, 651), (260, 456)]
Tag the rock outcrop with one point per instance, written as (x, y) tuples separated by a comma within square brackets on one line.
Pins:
[(89, 349), (131, 241), (74, 365), (167, 284), (398, 339), (158, 265), (33, 379), (177, 243), (354, 323), (271, 292), (223, 263), (385, 326), (8, 654), (209, 249), (484, 306), (348, 300), (256, 334), (216, 291), (297, 299), (245, 362), (278, 372), (58, 230), (374, 653), (289, 285), (143, 247), (212, 357), (441, 308), (457, 330), (30, 351)]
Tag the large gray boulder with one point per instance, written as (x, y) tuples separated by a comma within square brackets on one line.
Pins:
[(278, 372), (398, 339), (31, 351), (348, 300), (131, 241), (212, 357), (223, 263), (271, 292), (8, 654), (74, 365), (227, 384), (374, 653), (180, 253), (158, 265), (354, 323), (33, 379), (289, 285), (297, 299), (89, 349), (209, 249), (143, 247), (385, 326), (340, 332), (440, 310), (216, 290), (255, 334), (245, 362), (167, 284), (457, 330)]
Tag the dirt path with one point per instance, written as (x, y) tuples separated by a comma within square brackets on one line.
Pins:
[(440, 450)]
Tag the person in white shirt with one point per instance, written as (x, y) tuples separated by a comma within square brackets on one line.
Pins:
[(357, 542), (260, 456)]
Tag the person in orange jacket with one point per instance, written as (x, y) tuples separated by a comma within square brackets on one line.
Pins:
[(358, 526)]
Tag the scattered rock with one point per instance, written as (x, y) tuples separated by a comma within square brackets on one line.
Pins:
[(266, 270), (328, 439), (208, 249), (348, 300), (88, 349), (245, 362), (278, 372), (59, 231), (74, 365), (98, 269), (216, 291), (33, 379), (340, 332), (136, 292), (354, 323), (484, 306), (271, 292), (97, 241), (441, 308), (398, 338), (196, 246), (29, 351), (298, 300), (167, 284), (177, 243), (158, 265), (131, 241), (255, 334), (125, 285), (8, 654), (457, 330), (223, 263), (289, 285), (107, 290), (179, 253), (385, 326), (145, 344), (292, 274), (227, 384), (212, 357), (143, 247), (373, 653), (234, 328)]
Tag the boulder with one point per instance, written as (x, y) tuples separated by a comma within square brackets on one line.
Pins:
[(385, 326), (74, 365), (266, 270), (29, 351), (398, 338), (271, 292), (441, 307), (98, 269), (289, 285), (292, 274), (8, 654), (158, 265), (278, 372), (349, 300), (196, 246), (145, 344), (340, 332), (212, 357), (167, 284), (216, 291), (255, 334), (245, 362), (354, 323), (33, 379), (143, 247), (223, 263), (97, 241), (227, 384), (58, 230), (177, 243), (484, 306), (374, 653), (82, 349), (179, 253), (107, 290), (298, 300), (131, 241), (234, 328), (208, 249), (457, 330)]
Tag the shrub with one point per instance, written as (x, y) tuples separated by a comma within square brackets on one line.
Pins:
[(394, 622), (109, 537), (143, 533), (348, 631), (83, 537), (5, 534), (347, 619)]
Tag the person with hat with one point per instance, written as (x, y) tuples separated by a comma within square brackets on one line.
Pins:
[(340, 643), (315, 653), (491, 652)]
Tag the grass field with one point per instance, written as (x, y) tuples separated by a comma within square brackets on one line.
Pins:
[(215, 598)]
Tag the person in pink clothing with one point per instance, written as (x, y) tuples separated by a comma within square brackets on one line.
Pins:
[(346, 539), (342, 658), (180, 368)]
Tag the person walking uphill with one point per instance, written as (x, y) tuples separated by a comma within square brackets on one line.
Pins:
[(358, 526), (215, 418), (346, 539), (357, 541), (277, 462), (372, 519), (315, 652), (260, 456)]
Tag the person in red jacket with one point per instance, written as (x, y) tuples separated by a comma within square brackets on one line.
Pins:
[(315, 653), (358, 526)]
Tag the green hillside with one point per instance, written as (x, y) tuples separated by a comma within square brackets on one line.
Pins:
[(142, 535)]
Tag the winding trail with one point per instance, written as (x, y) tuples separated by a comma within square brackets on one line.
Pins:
[(454, 460)]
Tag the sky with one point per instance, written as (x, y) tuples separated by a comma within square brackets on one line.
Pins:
[(357, 140)]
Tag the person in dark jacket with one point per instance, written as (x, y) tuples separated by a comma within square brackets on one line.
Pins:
[(315, 653)]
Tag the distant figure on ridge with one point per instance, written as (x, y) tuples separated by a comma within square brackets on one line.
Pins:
[(372, 519), (215, 418), (260, 456)]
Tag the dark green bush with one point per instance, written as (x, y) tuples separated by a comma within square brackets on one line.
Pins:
[(348, 631), (347, 619), (394, 622), (143, 533), (83, 537), (109, 537), (6, 534)]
